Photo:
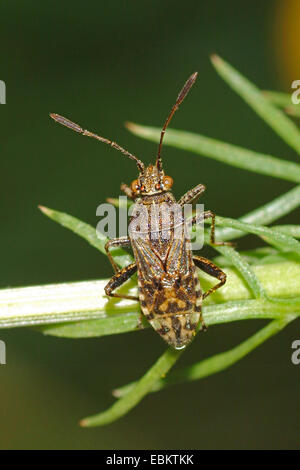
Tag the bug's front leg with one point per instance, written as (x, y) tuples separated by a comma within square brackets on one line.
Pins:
[(118, 279), (192, 195), (210, 268), (127, 190), (209, 215), (122, 241)]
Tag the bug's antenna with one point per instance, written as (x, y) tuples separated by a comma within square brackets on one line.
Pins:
[(186, 88), (75, 127)]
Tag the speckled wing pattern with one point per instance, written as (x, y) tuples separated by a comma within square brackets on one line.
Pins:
[(169, 289)]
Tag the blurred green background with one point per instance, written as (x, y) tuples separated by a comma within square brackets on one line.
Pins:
[(100, 64)]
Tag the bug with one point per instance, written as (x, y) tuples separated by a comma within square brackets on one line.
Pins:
[(169, 290)]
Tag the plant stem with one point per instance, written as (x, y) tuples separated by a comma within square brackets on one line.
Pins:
[(70, 302)]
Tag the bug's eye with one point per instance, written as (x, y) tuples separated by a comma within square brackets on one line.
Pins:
[(167, 182), (158, 186), (135, 185), (142, 188)]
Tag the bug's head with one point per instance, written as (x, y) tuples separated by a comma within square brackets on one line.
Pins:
[(152, 181)]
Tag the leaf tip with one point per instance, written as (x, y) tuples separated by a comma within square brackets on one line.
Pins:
[(116, 393), (215, 59), (290, 110), (83, 423), (131, 126), (44, 209)]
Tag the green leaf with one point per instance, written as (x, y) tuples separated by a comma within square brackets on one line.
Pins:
[(266, 214), (293, 111), (279, 98), (88, 233), (254, 256), (283, 100), (273, 116), (215, 363), (137, 393), (222, 151), (273, 236), (244, 268), (292, 230), (262, 255)]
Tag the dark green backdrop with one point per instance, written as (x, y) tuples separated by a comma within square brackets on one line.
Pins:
[(102, 63)]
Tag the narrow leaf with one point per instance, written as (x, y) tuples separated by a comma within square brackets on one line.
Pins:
[(283, 100), (89, 233), (244, 268), (276, 237), (292, 230), (278, 98), (273, 116), (216, 363), (222, 151), (265, 214), (293, 111), (140, 389)]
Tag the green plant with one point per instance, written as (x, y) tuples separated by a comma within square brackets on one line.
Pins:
[(254, 288)]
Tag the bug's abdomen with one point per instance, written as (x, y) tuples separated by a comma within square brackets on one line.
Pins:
[(173, 307)]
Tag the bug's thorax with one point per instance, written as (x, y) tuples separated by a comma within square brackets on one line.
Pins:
[(156, 219), (152, 216), (156, 198)]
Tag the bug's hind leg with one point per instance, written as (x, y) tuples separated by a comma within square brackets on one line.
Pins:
[(210, 215), (122, 241), (118, 279), (210, 268)]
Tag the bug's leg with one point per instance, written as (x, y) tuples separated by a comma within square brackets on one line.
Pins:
[(118, 279), (192, 195), (122, 241), (127, 190), (210, 215), (210, 268)]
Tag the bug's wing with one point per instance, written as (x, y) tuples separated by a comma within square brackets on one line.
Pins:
[(183, 303), (149, 265), (151, 275), (179, 259)]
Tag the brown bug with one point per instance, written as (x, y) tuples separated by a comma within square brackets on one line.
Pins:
[(169, 289)]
